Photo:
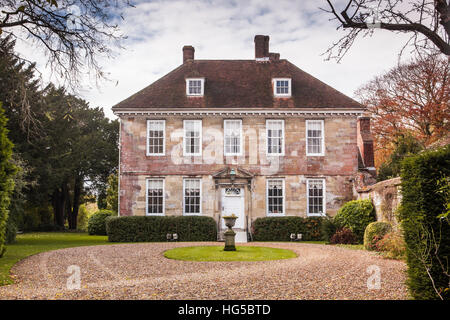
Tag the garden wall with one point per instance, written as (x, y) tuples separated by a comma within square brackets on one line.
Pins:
[(386, 197)]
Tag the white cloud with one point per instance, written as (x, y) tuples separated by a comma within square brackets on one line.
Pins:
[(299, 31)]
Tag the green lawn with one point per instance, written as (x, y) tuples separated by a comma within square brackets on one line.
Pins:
[(31, 243), (216, 253)]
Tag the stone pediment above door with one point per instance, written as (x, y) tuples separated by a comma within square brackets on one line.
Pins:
[(232, 176)]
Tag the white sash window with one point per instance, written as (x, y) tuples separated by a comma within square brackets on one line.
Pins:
[(233, 137), (316, 197), (155, 197), (192, 137), (192, 196), (314, 138)]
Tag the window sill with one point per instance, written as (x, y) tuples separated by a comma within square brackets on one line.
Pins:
[(315, 155), (275, 215), (156, 154), (316, 214), (233, 154), (192, 155)]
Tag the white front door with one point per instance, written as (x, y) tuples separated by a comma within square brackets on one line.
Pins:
[(233, 202)]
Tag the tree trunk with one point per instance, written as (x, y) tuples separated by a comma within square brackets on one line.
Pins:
[(76, 201), (68, 204), (58, 207)]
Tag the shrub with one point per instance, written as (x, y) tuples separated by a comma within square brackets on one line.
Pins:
[(280, 228), (97, 222), (392, 245), (356, 215), (344, 236), (427, 236), (375, 231), (328, 228), (37, 218), (155, 229), (82, 218), (11, 231)]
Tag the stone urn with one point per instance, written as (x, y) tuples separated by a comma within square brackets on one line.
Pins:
[(229, 234)]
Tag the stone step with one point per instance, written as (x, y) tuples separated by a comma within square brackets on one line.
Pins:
[(241, 237)]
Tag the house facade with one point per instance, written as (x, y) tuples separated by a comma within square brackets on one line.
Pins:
[(254, 138)]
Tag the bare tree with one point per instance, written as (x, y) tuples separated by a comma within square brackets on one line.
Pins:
[(412, 98), (74, 33), (428, 22)]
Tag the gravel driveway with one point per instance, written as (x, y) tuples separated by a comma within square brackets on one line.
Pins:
[(140, 271)]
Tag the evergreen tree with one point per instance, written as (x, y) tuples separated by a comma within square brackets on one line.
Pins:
[(7, 171)]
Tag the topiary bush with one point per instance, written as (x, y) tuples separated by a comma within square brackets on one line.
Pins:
[(356, 215), (375, 231), (97, 222), (344, 236), (280, 228), (155, 229), (425, 223)]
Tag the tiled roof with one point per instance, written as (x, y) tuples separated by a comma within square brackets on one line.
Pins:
[(237, 84)]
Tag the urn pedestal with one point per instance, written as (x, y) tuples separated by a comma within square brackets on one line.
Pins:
[(229, 234)]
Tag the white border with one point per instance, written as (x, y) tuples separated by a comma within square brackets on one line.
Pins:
[(324, 201), (202, 87), (267, 198), (267, 139), (164, 197), (241, 142), (240, 112), (184, 138), (164, 137), (282, 95), (322, 124), (184, 194)]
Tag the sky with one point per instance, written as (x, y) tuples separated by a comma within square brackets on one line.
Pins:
[(157, 30)]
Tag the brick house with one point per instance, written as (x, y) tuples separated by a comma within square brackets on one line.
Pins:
[(253, 137)]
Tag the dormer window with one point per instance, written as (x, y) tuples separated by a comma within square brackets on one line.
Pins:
[(282, 87), (195, 87)]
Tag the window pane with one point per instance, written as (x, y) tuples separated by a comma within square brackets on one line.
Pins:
[(192, 137), (315, 196), (275, 197), (156, 136), (155, 196), (275, 136), (282, 87), (232, 136), (192, 197), (195, 86), (314, 137)]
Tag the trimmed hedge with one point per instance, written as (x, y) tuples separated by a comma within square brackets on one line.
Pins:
[(97, 222), (375, 229), (356, 215), (280, 228), (426, 195), (155, 229)]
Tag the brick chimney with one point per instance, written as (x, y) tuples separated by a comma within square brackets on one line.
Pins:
[(365, 143), (261, 47), (188, 53)]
